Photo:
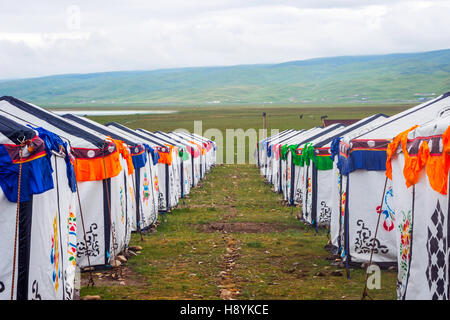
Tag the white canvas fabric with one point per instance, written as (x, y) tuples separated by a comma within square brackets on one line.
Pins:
[(52, 274), (322, 197), (184, 166), (336, 178), (193, 163), (211, 154), (262, 150), (205, 157), (92, 193), (359, 210), (161, 174), (335, 204), (422, 222), (271, 167), (422, 238), (51, 271), (127, 188), (322, 187), (363, 222)]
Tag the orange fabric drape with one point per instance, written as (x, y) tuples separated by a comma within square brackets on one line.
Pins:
[(437, 166), (166, 158), (123, 150), (94, 170), (392, 148)]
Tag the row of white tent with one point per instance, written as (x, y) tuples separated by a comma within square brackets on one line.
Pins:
[(73, 190), (380, 185)]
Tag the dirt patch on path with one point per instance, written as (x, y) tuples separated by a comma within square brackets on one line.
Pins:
[(113, 277), (228, 288), (243, 227)]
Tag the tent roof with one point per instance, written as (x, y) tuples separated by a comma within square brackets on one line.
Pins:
[(162, 138), (431, 128), (325, 131), (408, 118), (279, 134), (12, 132), (301, 136), (39, 117), (171, 137), (104, 130), (126, 130), (357, 126)]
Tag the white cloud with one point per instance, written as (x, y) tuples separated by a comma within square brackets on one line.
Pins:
[(45, 38)]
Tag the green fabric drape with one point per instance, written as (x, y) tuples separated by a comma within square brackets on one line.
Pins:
[(323, 163), (183, 154), (285, 149), (308, 155)]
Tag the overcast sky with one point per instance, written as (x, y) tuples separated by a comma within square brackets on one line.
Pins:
[(54, 37)]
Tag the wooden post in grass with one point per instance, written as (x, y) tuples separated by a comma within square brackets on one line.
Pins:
[(264, 125)]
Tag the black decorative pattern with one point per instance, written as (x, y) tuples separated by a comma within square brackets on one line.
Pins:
[(69, 289), (325, 213), (114, 234), (161, 202), (35, 291), (436, 248), (91, 247), (2, 287), (298, 195), (364, 241)]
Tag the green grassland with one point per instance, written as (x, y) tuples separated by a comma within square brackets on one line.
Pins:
[(247, 117), (286, 260), (352, 79)]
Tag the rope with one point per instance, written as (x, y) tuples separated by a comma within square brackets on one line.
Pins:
[(365, 294), (22, 144), (91, 278)]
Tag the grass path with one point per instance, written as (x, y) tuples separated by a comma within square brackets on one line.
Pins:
[(233, 239)]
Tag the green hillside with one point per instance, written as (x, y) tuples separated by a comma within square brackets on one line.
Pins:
[(382, 79)]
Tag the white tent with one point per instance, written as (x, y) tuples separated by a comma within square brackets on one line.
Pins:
[(266, 154), (337, 187), (166, 168), (38, 229), (100, 175), (210, 147), (286, 161), (293, 179), (208, 150), (363, 164), (261, 151), (273, 162), (191, 164), (321, 169), (140, 184), (420, 166), (279, 163), (183, 160), (307, 174)]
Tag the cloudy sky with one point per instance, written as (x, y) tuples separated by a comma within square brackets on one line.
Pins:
[(54, 37)]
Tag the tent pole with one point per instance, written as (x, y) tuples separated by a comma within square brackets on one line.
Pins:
[(365, 294), (22, 144)]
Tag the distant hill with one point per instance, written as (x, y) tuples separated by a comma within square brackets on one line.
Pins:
[(379, 78)]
